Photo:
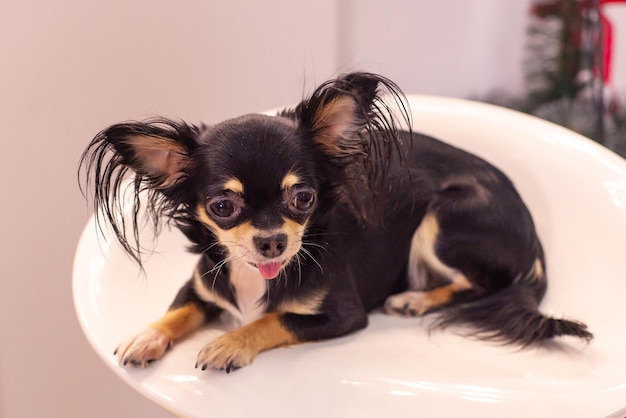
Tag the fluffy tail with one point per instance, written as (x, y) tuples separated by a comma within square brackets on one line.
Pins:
[(511, 315)]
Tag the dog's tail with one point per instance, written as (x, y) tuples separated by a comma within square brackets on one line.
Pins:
[(511, 315)]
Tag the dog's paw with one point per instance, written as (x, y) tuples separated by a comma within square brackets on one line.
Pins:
[(411, 303), (228, 352), (143, 349)]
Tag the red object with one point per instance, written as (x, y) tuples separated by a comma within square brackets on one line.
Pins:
[(607, 41)]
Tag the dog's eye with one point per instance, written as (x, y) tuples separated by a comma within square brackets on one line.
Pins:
[(302, 199), (224, 207)]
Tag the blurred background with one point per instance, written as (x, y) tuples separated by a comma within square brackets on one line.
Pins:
[(68, 69)]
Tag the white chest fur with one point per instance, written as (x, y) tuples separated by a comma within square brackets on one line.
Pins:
[(250, 288)]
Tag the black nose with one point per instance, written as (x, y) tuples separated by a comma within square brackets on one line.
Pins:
[(272, 246)]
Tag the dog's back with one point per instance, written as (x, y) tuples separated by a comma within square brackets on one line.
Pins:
[(473, 254)]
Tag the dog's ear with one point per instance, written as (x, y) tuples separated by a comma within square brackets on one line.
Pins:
[(339, 109), (333, 120), (352, 122), (157, 151)]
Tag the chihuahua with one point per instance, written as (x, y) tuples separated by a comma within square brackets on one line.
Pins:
[(306, 221)]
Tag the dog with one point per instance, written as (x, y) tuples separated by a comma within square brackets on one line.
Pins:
[(306, 221)]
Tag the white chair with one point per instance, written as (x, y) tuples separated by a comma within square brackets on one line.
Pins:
[(576, 191)]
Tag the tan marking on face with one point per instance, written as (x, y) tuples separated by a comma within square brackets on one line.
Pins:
[(290, 180), (293, 229), (240, 233), (234, 235), (206, 219), (239, 240), (234, 185), (180, 321)]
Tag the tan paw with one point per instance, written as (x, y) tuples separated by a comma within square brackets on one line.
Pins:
[(143, 349), (228, 352), (411, 303)]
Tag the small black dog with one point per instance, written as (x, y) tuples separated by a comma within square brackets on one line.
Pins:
[(307, 220)]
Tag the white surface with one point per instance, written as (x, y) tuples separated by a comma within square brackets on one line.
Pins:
[(577, 192)]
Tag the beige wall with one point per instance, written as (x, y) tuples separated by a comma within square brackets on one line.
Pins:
[(69, 68)]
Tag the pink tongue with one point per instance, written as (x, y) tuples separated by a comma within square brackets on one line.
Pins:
[(269, 270)]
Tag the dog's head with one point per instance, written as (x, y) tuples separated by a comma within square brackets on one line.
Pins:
[(255, 182), (257, 188)]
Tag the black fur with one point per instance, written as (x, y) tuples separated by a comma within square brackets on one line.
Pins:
[(364, 187)]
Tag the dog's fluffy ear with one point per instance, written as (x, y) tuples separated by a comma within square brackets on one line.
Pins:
[(157, 151), (353, 122), (333, 121), (338, 110), (159, 159)]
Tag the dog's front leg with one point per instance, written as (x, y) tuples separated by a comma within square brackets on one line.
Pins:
[(238, 348), (186, 314), (152, 343)]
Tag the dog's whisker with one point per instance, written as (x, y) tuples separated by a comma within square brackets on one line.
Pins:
[(299, 261), (284, 277), (307, 252), (314, 244), (217, 270)]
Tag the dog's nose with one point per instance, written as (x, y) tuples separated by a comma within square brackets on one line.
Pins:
[(271, 246)]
